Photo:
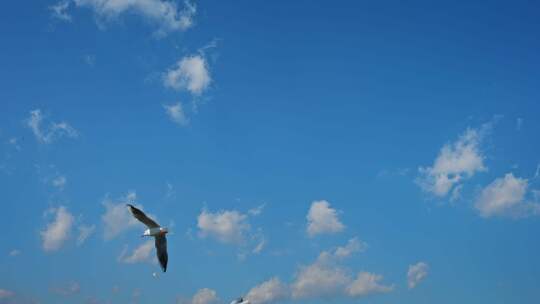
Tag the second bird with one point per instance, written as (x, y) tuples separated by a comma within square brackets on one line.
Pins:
[(155, 230)]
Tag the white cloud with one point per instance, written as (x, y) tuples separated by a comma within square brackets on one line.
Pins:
[(456, 193), (322, 219), (59, 182), (268, 292), (187, 14), (171, 193), (226, 226), (367, 283), (143, 253), (14, 142), (84, 233), (60, 10), (257, 210), (67, 290), (14, 252), (135, 295), (165, 14), (353, 245), (89, 59), (416, 274), (393, 172), (4, 294), (260, 246), (93, 300), (176, 113), (455, 162), (326, 278), (519, 123), (190, 73), (57, 231), (506, 197), (204, 296), (323, 278), (117, 218), (52, 132)]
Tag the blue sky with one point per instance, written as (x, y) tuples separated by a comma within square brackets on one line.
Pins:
[(299, 151)]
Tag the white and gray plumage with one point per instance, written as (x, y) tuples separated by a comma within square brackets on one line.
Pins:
[(155, 230), (240, 301)]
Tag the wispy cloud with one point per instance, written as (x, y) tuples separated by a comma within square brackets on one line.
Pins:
[(257, 210), (57, 231), (171, 192), (117, 218), (164, 14), (5, 294), (59, 182), (143, 253), (416, 274), (85, 232), (519, 123), (176, 113), (353, 245), (60, 10), (51, 132), (68, 289), (456, 161), (51, 176), (14, 252), (14, 142), (260, 246), (90, 60)]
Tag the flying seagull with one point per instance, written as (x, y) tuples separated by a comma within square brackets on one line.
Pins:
[(155, 230), (240, 301)]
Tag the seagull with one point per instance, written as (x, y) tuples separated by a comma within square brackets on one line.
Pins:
[(240, 301), (155, 230)]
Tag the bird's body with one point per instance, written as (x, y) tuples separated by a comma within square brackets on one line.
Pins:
[(155, 230), (240, 301)]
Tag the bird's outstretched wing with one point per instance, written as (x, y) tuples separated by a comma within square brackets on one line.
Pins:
[(138, 214), (161, 249)]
